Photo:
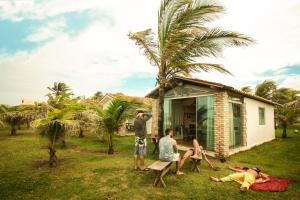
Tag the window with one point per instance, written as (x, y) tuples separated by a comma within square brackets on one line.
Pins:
[(262, 118)]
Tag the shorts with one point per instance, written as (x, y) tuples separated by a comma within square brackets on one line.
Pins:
[(175, 157), (199, 153), (140, 146)]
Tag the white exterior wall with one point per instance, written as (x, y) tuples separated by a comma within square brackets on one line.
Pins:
[(258, 134)]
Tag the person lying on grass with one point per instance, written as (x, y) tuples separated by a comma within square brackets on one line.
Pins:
[(167, 146), (245, 176), (196, 153)]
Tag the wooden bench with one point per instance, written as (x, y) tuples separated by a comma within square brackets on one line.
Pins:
[(195, 164), (161, 168)]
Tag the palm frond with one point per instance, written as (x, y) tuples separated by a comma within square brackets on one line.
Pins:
[(207, 44), (186, 69), (144, 39), (115, 115)]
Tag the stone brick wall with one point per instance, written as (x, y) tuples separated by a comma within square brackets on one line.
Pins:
[(244, 127), (221, 125)]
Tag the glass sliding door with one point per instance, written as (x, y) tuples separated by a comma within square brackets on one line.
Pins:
[(205, 121), (167, 113), (235, 128)]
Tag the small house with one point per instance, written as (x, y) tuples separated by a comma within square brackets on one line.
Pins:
[(223, 119)]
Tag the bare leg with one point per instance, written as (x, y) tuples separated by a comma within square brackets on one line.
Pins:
[(187, 154), (136, 164), (196, 148), (206, 159), (142, 162), (178, 172)]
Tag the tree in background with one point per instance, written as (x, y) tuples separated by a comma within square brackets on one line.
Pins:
[(60, 90), (182, 39), (246, 89), (59, 97), (87, 120), (54, 126), (287, 115), (285, 95), (266, 89), (3, 109), (114, 117), (98, 95), (13, 117)]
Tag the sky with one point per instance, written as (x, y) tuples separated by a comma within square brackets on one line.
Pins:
[(84, 43)]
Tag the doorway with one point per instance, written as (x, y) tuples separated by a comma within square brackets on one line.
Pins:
[(190, 118)]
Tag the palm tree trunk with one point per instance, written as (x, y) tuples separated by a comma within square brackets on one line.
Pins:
[(284, 133), (13, 131), (160, 116), (81, 133), (63, 142), (52, 157), (28, 123), (110, 144)]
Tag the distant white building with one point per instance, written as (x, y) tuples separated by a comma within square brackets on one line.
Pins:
[(28, 102)]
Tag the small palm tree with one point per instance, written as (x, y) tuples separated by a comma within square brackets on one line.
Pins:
[(54, 127), (13, 117), (114, 117), (183, 39), (287, 115)]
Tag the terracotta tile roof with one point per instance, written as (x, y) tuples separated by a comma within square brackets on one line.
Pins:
[(199, 82)]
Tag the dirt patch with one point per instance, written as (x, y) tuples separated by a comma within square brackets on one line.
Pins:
[(45, 163)]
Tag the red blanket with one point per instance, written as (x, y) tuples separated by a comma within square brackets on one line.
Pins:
[(275, 185)]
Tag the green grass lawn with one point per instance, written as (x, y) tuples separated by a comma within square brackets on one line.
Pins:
[(86, 172)]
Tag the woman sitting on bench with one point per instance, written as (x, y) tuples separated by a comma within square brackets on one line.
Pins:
[(197, 153)]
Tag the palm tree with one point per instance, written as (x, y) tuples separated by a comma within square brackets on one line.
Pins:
[(60, 89), (246, 89), (114, 117), (54, 127), (13, 117), (287, 115), (182, 39), (58, 98), (266, 89), (285, 95)]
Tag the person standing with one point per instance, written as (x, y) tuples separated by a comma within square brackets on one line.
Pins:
[(140, 139)]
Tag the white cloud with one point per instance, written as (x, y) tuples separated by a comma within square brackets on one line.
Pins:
[(102, 55), (293, 81), (274, 25), (52, 30)]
